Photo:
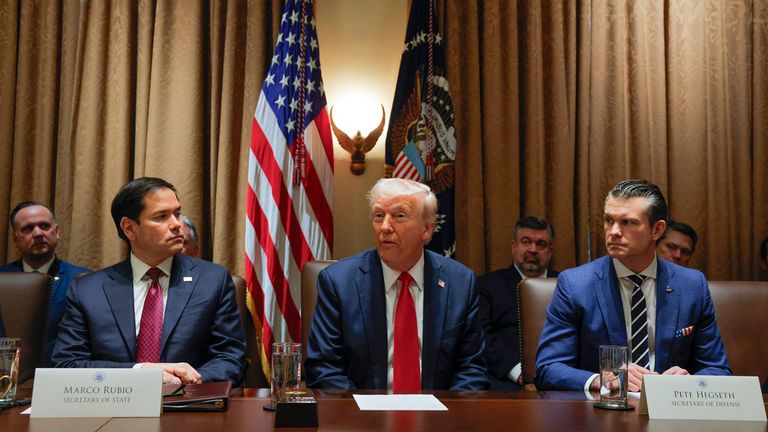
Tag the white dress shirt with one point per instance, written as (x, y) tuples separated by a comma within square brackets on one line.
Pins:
[(392, 286), (42, 269), (649, 291), (141, 285)]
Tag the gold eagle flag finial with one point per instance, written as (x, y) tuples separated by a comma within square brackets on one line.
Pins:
[(358, 146)]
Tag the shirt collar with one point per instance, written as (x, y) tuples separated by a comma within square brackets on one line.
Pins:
[(523, 276), (42, 269), (416, 272), (623, 271), (139, 267)]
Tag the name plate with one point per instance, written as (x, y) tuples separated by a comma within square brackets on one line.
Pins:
[(97, 393), (698, 397)]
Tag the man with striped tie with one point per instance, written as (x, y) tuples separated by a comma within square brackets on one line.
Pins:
[(663, 312)]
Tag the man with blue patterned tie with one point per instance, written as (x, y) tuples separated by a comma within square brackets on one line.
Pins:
[(662, 311)]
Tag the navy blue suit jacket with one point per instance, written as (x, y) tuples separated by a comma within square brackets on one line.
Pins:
[(586, 312), (348, 339), (201, 324), (62, 273)]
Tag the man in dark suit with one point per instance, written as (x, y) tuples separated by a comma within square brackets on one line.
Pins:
[(662, 311), (35, 234), (191, 240), (158, 308), (677, 244), (531, 254), (397, 317)]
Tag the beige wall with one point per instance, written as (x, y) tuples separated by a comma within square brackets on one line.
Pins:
[(360, 47)]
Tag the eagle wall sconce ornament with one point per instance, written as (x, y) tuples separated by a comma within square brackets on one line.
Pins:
[(358, 146)]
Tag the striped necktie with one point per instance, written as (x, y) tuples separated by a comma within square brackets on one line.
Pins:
[(640, 352)]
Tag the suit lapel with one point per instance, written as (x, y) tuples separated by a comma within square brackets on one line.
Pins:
[(179, 291), (609, 300), (370, 290), (513, 278), (667, 313), (433, 317), (119, 293)]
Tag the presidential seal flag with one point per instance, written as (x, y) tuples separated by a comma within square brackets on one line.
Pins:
[(290, 181), (421, 139)]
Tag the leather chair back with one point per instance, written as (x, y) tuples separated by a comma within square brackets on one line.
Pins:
[(742, 316), (24, 303), (309, 298), (534, 295), (254, 373)]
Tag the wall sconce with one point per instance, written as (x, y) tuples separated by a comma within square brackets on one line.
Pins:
[(358, 146)]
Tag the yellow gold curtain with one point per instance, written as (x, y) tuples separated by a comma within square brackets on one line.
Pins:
[(556, 101), (95, 93)]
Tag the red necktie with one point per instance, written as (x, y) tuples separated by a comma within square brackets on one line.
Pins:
[(151, 327), (405, 365)]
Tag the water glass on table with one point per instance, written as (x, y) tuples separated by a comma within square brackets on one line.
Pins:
[(9, 368), (286, 369), (614, 378)]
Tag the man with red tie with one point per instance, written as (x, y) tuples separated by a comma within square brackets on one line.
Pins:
[(158, 308), (398, 316)]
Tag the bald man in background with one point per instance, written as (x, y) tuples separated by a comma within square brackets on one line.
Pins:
[(35, 234)]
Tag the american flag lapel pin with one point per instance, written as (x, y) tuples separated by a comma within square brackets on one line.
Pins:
[(441, 283), (187, 278)]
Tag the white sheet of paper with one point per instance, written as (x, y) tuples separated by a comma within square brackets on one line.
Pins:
[(400, 402), (27, 411)]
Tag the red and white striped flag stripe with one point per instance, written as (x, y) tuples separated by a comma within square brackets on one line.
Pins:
[(405, 169), (287, 225)]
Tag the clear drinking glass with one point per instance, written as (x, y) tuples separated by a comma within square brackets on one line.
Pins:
[(9, 368), (286, 369), (614, 380)]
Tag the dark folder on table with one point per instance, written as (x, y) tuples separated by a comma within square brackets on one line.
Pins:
[(212, 396)]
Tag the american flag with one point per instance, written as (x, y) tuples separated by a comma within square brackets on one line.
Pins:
[(421, 139), (290, 181)]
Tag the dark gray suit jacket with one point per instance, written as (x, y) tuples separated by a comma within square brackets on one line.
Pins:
[(500, 319)]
